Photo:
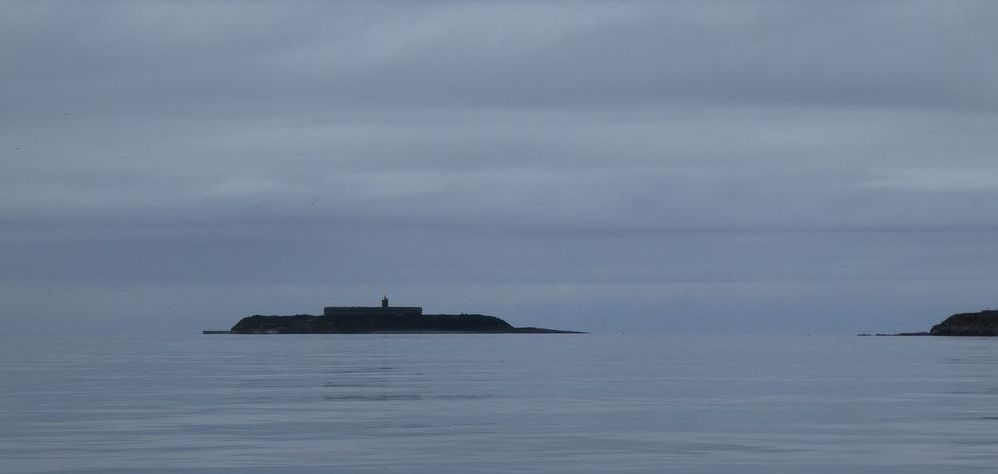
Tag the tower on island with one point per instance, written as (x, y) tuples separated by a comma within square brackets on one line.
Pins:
[(384, 301)]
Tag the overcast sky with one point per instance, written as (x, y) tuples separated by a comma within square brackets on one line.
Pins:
[(604, 166)]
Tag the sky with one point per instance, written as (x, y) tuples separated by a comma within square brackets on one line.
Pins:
[(168, 167)]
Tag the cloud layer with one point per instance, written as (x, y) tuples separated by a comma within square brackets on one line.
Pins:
[(601, 166)]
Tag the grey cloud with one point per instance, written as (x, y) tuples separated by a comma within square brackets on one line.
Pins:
[(691, 165), (294, 61)]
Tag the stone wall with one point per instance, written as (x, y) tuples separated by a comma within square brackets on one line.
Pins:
[(371, 310)]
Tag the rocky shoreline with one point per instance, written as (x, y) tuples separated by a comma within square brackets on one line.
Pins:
[(380, 324), (979, 324)]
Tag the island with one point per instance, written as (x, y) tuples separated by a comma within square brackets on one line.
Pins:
[(979, 324), (378, 319)]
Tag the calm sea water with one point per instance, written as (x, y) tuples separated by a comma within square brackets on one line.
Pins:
[(498, 403)]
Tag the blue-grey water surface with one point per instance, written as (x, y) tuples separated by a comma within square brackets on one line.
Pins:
[(498, 403)]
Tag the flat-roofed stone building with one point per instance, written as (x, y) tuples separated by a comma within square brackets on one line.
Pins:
[(384, 309)]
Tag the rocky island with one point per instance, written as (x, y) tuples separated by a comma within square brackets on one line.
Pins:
[(979, 324), (378, 319)]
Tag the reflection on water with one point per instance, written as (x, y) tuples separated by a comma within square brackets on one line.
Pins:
[(497, 403)]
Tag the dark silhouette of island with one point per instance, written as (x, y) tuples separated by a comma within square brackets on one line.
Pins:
[(378, 319), (979, 324)]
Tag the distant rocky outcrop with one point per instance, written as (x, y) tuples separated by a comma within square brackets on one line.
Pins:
[(979, 324), (982, 323), (376, 319), (378, 323)]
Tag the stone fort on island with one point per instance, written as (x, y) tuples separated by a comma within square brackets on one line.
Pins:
[(384, 309)]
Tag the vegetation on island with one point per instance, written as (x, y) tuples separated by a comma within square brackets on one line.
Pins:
[(979, 324), (379, 323), (982, 323)]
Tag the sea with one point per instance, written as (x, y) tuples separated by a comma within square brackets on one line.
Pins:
[(498, 403)]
